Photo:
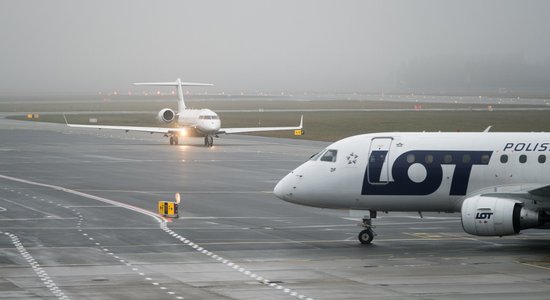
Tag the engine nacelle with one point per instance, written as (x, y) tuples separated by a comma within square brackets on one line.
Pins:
[(166, 115), (493, 216)]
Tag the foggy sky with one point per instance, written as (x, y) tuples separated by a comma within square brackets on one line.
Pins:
[(280, 45)]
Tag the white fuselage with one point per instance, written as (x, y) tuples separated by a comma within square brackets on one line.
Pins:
[(418, 171), (205, 121)]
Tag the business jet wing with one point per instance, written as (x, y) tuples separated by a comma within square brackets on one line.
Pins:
[(163, 130), (131, 128), (260, 129)]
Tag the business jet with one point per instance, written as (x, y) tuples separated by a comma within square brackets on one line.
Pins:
[(498, 181), (190, 122)]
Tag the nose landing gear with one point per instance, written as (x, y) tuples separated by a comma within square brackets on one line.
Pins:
[(208, 141), (174, 140), (367, 235)]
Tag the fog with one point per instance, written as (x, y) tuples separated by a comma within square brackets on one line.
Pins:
[(64, 47)]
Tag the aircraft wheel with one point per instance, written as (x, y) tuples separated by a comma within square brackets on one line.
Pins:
[(206, 141), (176, 140), (210, 141), (366, 236), (171, 140)]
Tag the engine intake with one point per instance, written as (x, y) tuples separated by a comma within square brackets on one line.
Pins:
[(166, 115), (493, 216)]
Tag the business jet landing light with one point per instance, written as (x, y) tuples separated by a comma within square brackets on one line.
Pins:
[(200, 122)]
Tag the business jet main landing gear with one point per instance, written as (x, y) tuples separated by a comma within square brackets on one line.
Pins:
[(367, 235), (208, 141), (174, 140)]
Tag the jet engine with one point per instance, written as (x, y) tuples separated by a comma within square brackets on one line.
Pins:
[(493, 216), (166, 115)]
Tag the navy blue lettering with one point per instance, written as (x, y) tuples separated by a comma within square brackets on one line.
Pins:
[(403, 185), (543, 147), (483, 216), (531, 149), (508, 146), (519, 147), (376, 161)]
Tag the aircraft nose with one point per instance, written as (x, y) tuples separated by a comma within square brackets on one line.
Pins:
[(283, 189), (278, 191), (209, 126)]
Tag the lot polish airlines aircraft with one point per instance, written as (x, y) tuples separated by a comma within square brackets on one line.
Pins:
[(191, 122), (498, 181)]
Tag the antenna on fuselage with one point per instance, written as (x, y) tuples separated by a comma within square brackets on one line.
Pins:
[(178, 84)]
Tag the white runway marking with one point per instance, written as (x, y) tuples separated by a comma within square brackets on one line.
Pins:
[(164, 227), (230, 264), (38, 270), (50, 283), (120, 204), (29, 208)]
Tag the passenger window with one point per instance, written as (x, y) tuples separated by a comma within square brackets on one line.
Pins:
[(411, 158), (330, 156), (429, 159), (447, 159), (466, 158), (542, 158), (504, 158), (485, 159), (522, 158)]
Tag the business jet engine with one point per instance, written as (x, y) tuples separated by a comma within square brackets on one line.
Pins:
[(166, 115), (494, 216)]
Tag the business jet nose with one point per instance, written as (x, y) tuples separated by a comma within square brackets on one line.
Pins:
[(209, 126)]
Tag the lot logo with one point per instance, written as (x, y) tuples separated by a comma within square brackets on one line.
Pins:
[(432, 162), (483, 216)]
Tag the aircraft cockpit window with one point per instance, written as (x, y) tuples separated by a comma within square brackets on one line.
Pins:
[(208, 117), (504, 158), (523, 158), (542, 158), (329, 156), (316, 155)]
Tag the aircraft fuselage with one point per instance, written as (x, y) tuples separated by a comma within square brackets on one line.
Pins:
[(418, 171)]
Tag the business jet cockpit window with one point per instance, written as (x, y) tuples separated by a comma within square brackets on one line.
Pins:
[(208, 117), (329, 156)]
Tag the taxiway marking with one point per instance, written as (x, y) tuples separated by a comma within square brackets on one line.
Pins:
[(164, 227), (38, 270)]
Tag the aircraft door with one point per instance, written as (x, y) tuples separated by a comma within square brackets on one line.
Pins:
[(378, 168)]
